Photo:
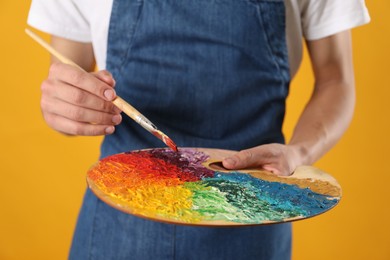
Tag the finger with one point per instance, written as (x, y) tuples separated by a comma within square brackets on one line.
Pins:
[(79, 114), (105, 76), (76, 96), (66, 126), (258, 157), (240, 160), (82, 80), (254, 157)]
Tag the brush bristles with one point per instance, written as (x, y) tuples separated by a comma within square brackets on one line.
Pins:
[(168, 141)]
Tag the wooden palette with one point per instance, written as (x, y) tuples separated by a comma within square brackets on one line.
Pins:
[(190, 187)]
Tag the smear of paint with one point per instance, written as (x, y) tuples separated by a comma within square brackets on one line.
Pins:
[(161, 183)]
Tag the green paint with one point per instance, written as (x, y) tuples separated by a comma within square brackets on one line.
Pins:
[(212, 204)]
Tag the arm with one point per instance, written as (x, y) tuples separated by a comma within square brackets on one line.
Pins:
[(325, 117), (76, 102), (78, 52), (330, 109)]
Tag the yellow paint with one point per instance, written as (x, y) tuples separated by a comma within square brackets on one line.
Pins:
[(36, 226), (146, 195)]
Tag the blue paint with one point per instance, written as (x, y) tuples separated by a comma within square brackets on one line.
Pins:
[(262, 200)]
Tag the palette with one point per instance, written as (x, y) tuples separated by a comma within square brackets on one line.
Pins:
[(191, 187)]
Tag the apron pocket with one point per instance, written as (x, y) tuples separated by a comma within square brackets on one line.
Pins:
[(122, 32), (272, 18)]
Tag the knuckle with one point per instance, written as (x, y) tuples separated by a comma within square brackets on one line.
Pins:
[(77, 77), (76, 114), (278, 153), (86, 130), (95, 132), (46, 85), (106, 106), (103, 118), (44, 104), (77, 129), (49, 119), (54, 68), (79, 97), (246, 155), (103, 106), (98, 118)]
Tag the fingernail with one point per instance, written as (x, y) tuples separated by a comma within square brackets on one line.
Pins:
[(230, 161), (109, 94), (109, 130), (116, 119)]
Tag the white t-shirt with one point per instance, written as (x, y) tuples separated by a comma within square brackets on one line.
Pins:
[(88, 21)]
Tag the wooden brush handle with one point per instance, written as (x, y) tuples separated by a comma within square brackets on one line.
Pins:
[(118, 101)]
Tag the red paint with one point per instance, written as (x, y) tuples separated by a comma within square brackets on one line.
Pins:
[(145, 165)]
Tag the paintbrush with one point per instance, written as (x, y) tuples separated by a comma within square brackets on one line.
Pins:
[(119, 102)]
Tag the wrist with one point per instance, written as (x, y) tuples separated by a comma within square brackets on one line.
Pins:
[(299, 155)]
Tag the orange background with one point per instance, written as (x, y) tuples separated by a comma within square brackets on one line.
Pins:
[(42, 173)]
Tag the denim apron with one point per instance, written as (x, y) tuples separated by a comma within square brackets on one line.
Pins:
[(208, 73)]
